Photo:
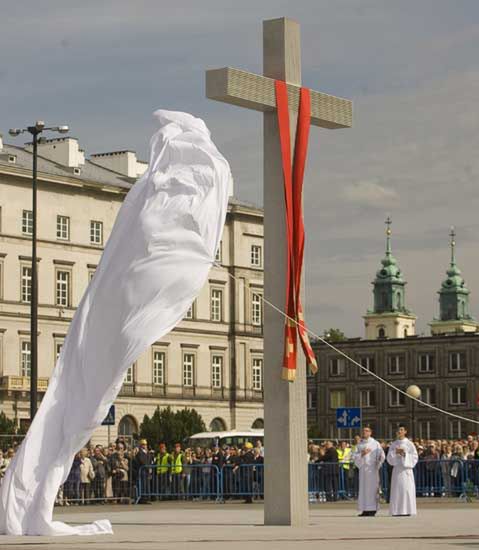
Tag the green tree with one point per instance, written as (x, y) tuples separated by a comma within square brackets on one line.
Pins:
[(314, 432), (170, 427), (7, 426), (334, 335)]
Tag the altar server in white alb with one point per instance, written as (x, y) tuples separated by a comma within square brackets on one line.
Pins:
[(403, 457), (368, 457)]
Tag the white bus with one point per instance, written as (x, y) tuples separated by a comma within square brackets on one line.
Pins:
[(234, 438)]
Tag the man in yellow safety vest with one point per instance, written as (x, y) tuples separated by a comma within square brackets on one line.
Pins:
[(163, 471), (344, 458), (177, 461)]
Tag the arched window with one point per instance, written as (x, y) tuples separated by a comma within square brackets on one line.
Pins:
[(405, 332), (381, 333), (399, 300), (218, 425), (127, 426), (258, 424)]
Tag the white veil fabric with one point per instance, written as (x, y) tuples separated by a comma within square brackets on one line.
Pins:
[(155, 263)]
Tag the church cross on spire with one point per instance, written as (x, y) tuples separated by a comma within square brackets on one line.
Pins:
[(452, 234), (388, 222)]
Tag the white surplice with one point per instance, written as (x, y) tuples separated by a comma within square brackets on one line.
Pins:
[(403, 487), (369, 465), (155, 263)]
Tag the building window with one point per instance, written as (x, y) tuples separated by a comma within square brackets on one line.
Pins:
[(63, 228), (396, 364), (91, 274), (219, 252), (367, 398), (381, 333), (63, 288), (27, 222), (26, 358), (457, 395), (216, 310), (96, 232), (188, 369), (396, 399), (457, 361), (456, 429), (159, 367), (256, 309), (58, 349), (426, 363), (190, 314), (130, 375), (257, 374), (367, 363), (217, 371), (312, 400), (336, 366), (256, 255), (337, 398), (26, 284), (425, 429), (428, 395)]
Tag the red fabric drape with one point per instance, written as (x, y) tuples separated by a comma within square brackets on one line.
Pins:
[(293, 174)]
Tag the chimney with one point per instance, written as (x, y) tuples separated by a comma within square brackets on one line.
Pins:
[(65, 151), (123, 162)]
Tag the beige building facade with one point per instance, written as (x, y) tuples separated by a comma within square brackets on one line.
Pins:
[(211, 362)]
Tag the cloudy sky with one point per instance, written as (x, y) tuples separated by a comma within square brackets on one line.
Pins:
[(411, 68)]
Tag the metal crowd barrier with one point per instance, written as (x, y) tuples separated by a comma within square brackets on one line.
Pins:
[(326, 481)]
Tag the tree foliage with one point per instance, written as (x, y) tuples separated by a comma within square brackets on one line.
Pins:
[(7, 426), (170, 427), (334, 335), (314, 432)]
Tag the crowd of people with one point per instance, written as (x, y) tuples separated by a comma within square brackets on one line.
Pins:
[(120, 473)]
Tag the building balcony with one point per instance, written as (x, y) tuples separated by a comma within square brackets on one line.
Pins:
[(21, 383)]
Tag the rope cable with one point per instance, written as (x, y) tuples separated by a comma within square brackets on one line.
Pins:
[(347, 357)]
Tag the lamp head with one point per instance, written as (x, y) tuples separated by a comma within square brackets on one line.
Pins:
[(63, 129), (414, 391), (39, 125), (14, 132)]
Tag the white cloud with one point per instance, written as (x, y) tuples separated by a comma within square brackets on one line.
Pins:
[(370, 194)]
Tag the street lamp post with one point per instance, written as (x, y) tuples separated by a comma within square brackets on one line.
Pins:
[(35, 131), (415, 392)]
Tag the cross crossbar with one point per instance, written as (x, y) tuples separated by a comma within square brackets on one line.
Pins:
[(257, 92)]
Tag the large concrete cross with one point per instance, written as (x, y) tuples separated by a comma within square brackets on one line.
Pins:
[(286, 477)]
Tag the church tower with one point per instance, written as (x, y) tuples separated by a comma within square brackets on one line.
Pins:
[(389, 318), (453, 301)]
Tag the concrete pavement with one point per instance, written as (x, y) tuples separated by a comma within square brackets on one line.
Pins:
[(184, 525)]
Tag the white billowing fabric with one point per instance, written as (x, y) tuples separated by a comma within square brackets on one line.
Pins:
[(403, 487), (369, 465), (155, 263)]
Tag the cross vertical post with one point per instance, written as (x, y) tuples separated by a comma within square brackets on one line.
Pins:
[(286, 468), (285, 475)]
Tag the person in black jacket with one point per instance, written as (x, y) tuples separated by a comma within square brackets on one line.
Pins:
[(331, 471), (216, 460), (246, 472), (141, 474)]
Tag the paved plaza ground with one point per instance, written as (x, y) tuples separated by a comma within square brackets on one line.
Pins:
[(178, 525)]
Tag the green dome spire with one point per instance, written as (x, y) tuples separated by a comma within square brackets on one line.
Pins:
[(454, 295), (389, 283)]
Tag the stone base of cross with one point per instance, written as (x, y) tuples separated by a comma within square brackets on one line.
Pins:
[(286, 473)]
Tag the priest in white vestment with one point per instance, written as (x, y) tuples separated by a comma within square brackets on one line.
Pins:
[(403, 457), (368, 458)]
